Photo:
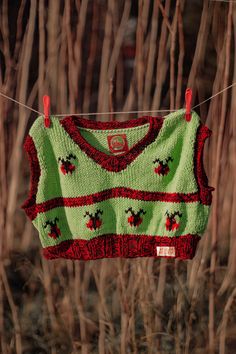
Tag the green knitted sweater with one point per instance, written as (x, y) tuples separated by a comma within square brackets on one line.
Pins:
[(134, 188)]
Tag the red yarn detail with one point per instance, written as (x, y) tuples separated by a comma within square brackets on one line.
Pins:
[(110, 162), (205, 191), (29, 205), (112, 193), (127, 246)]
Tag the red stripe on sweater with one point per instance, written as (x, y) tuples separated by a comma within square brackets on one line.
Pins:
[(111, 193)]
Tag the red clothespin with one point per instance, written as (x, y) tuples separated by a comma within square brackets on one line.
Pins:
[(188, 100), (46, 109)]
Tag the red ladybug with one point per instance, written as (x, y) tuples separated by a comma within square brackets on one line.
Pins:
[(94, 222), (135, 219), (171, 223), (162, 168), (66, 169), (66, 165), (55, 232)]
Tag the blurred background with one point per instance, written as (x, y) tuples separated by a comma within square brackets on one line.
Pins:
[(99, 56)]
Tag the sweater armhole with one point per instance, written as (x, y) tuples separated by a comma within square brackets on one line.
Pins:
[(29, 204), (205, 190)]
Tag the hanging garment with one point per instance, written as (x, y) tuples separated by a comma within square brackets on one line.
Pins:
[(134, 188)]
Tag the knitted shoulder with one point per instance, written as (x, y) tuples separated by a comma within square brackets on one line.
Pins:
[(196, 119), (35, 141), (37, 127), (203, 129)]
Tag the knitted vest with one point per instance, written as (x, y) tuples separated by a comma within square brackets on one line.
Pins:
[(134, 188)]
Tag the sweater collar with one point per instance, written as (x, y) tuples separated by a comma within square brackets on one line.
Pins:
[(115, 163)]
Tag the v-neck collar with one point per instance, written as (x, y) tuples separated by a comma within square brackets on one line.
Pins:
[(114, 163)]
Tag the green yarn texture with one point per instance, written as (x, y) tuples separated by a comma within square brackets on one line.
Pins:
[(176, 138)]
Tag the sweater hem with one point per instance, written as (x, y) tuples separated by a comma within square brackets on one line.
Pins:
[(125, 246)]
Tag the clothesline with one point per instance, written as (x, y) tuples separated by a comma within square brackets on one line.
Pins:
[(103, 113)]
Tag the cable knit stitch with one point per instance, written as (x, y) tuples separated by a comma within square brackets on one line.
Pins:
[(134, 188)]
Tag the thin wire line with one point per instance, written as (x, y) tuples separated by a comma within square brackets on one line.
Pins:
[(121, 112), (103, 113), (21, 104), (223, 1), (214, 95)]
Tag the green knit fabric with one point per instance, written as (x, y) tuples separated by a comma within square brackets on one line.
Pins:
[(90, 177)]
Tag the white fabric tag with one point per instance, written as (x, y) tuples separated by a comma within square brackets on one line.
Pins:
[(166, 251)]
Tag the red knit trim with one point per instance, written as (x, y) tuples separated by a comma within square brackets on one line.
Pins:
[(111, 162), (205, 191), (29, 205), (127, 246), (113, 193)]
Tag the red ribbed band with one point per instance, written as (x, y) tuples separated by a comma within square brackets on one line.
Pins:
[(127, 246)]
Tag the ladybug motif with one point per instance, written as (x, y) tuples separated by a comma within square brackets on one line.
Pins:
[(162, 168), (171, 223), (94, 222), (66, 165), (135, 219), (55, 232)]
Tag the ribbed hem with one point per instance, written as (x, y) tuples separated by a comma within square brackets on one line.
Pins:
[(125, 246)]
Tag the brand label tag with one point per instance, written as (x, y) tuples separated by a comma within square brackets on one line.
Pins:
[(117, 143), (166, 251)]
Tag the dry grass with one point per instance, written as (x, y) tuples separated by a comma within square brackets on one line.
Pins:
[(75, 52)]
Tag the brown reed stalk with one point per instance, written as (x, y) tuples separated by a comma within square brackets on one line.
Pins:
[(179, 79), (216, 184), (82, 9), (146, 307), (104, 316), (63, 77), (118, 39), (124, 304), (160, 297), (3, 344), (5, 37), (16, 153), (172, 55), (14, 310), (111, 108), (41, 74), (71, 81), (139, 56), (49, 299), (151, 56), (3, 178), (52, 48), (103, 79), (139, 62), (230, 274), (19, 31), (161, 64), (91, 58), (201, 44), (85, 348), (225, 318)]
